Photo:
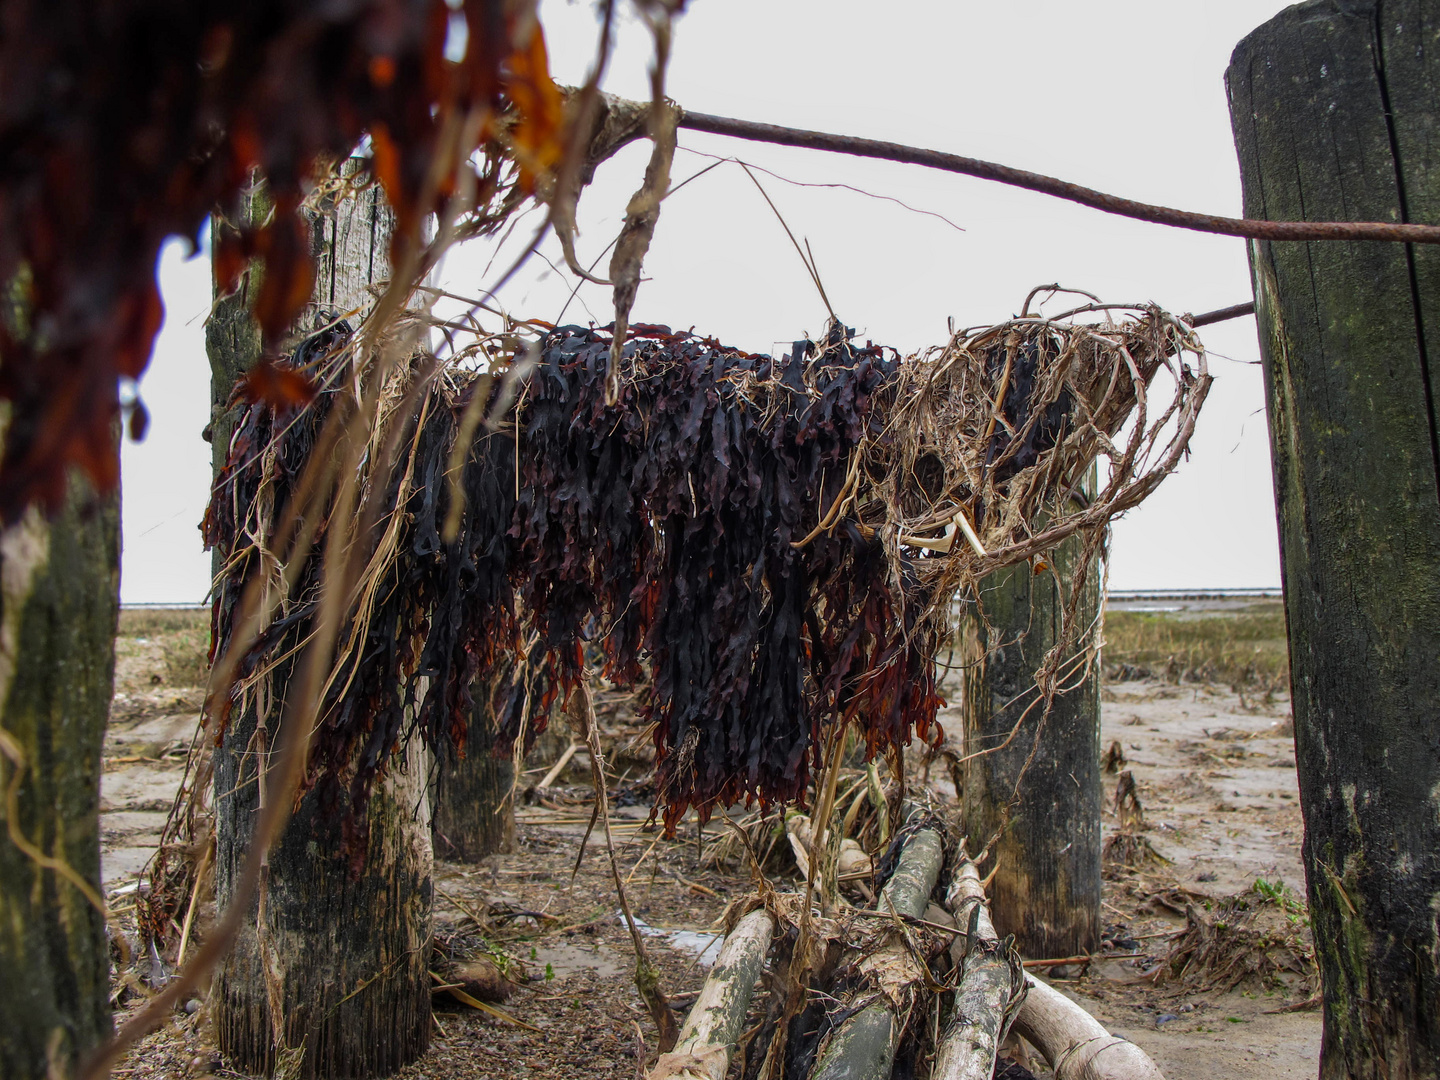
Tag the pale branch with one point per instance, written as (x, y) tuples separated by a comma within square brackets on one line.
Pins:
[(1076, 1045), (988, 991)]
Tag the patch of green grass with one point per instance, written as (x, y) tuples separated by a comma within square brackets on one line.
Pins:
[(183, 637), (1244, 646), (1294, 908), (1277, 892)]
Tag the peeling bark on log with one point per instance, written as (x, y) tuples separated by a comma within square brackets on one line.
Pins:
[(329, 978), (965, 896), (1335, 108), (1074, 1043), (990, 979), (977, 1022), (59, 595), (718, 1015), (863, 1048)]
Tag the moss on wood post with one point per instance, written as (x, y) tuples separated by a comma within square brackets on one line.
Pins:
[(1336, 112), (59, 594), (1047, 889), (474, 813), (329, 979)]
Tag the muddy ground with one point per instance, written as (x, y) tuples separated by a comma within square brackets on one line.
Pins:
[(1214, 773)]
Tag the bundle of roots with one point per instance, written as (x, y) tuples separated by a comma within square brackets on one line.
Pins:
[(769, 546), (1256, 939), (987, 453)]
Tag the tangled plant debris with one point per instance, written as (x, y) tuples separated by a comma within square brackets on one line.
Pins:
[(1257, 938), (770, 545)]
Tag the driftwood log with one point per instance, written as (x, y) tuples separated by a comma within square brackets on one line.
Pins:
[(863, 1048), (990, 986), (991, 990), (1074, 1042), (718, 1015)]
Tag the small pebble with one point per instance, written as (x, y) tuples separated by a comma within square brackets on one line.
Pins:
[(1165, 1018)]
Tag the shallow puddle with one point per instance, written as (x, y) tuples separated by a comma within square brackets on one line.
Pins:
[(698, 943)]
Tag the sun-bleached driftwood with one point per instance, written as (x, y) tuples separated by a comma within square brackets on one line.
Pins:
[(852, 863), (864, 1046), (559, 766), (1074, 1042), (715, 1021), (990, 985)]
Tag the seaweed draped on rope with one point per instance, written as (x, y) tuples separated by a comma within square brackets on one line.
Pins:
[(771, 546), (667, 526)]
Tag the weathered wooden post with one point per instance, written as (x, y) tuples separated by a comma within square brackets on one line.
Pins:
[(59, 595), (332, 971), (1047, 888), (1336, 112), (474, 811), (232, 336)]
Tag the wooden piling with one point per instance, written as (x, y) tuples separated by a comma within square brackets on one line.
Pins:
[(474, 803), (329, 977), (59, 598), (1043, 799), (1335, 108)]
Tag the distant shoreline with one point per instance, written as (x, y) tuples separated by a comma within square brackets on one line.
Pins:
[(1128, 596), (1274, 593)]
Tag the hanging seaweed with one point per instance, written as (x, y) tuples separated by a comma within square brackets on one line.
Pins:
[(670, 522), (124, 124), (427, 615), (751, 538)]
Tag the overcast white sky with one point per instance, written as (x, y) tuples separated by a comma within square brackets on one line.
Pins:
[(1127, 97)]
